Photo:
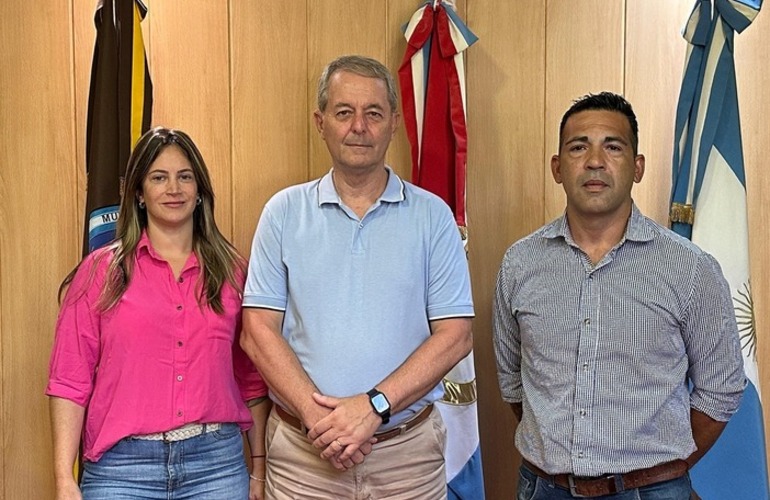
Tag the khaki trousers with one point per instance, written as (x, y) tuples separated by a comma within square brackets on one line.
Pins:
[(410, 466)]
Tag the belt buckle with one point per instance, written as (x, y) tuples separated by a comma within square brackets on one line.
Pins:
[(573, 488)]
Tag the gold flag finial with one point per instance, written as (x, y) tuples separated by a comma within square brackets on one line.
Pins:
[(681, 212)]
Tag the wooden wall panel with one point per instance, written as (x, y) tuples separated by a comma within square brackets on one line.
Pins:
[(271, 116), (506, 77), (190, 69), (335, 28), (655, 52), (84, 37), (754, 101), (39, 237), (241, 78), (398, 13), (584, 53)]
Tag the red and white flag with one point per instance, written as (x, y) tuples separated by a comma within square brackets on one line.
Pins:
[(432, 78)]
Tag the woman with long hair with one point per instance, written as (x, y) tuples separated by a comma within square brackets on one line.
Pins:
[(146, 367)]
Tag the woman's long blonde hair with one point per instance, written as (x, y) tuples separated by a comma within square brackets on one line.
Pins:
[(218, 259)]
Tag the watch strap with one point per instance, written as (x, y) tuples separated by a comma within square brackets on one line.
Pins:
[(384, 414)]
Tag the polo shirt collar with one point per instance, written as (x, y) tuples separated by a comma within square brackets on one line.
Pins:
[(393, 193), (394, 189)]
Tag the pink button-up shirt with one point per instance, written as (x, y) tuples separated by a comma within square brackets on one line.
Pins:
[(155, 361)]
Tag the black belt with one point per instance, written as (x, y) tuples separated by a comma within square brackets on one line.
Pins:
[(610, 484)]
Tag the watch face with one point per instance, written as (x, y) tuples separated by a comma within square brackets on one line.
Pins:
[(380, 403)]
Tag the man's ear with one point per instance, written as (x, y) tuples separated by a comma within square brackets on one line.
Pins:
[(318, 117), (638, 168), (556, 168), (396, 122)]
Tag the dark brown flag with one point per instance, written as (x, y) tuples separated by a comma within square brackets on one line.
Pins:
[(119, 111)]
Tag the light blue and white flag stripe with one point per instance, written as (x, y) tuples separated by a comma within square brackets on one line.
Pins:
[(709, 207), (465, 478)]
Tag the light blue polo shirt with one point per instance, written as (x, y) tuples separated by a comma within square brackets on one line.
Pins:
[(358, 294)]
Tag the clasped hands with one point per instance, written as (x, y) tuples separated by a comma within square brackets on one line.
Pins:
[(345, 433)]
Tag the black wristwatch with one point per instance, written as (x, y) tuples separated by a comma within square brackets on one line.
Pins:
[(380, 404)]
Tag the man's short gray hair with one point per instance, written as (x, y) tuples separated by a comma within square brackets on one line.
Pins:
[(359, 65)]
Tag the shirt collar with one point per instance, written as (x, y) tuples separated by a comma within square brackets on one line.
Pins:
[(394, 190), (145, 248), (637, 228)]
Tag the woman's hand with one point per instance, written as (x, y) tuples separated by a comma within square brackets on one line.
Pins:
[(69, 491), (257, 479)]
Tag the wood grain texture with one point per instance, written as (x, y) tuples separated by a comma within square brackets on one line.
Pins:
[(335, 28), (655, 52), (584, 53), (190, 69), (399, 12), (754, 104), (84, 38), (241, 78), (506, 76), (39, 236), (271, 119)]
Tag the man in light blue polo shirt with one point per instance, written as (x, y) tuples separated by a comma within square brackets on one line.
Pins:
[(357, 304)]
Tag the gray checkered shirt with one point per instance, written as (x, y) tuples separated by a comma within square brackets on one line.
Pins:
[(600, 355)]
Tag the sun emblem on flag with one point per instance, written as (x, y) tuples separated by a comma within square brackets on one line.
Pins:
[(744, 315)]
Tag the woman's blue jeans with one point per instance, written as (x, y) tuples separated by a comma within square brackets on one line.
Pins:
[(205, 467), (533, 487)]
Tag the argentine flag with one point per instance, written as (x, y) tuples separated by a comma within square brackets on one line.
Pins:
[(709, 207), (465, 480)]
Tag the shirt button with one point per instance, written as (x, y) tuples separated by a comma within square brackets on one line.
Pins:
[(585, 365), (179, 413), (179, 308), (582, 412), (587, 321), (181, 279), (580, 454), (179, 343), (179, 377)]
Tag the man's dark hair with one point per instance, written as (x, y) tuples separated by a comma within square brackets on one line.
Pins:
[(606, 101)]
